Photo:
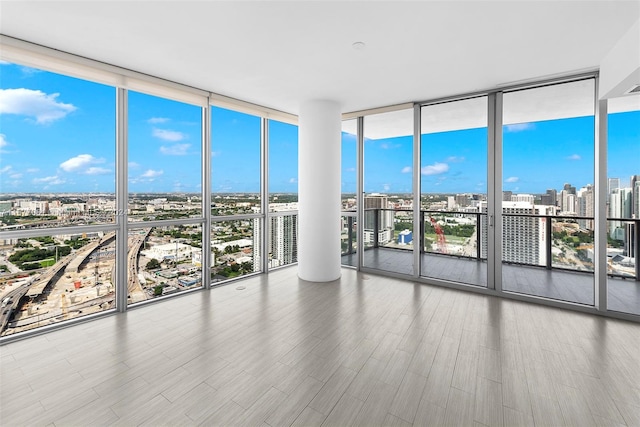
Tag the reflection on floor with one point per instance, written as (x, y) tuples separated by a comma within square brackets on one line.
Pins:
[(274, 350), (578, 287)]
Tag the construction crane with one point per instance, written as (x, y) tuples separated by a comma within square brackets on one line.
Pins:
[(442, 242)]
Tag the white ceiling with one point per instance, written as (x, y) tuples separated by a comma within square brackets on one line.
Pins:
[(280, 54)]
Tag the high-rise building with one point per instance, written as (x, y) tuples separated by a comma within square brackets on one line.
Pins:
[(283, 240), (635, 195), (612, 184), (377, 217), (585, 206), (522, 198), (550, 198), (620, 206), (524, 237), (568, 199)]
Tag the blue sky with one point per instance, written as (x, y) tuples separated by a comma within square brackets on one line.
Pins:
[(57, 135)]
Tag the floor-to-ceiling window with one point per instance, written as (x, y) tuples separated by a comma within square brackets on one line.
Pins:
[(623, 203), (164, 189), (388, 187), (57, 175), (548, 191), (282, 219), (453, 205), (236, 209)]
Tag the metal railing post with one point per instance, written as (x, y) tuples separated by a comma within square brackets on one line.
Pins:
[(421, 231), (478, 236), (549, 239), (350, 235), (636, 250), (376, 227)]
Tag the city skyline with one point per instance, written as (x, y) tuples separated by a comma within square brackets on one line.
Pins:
[(67, 127)]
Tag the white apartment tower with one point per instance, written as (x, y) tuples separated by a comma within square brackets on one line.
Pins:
[(620, 206), (524, 238)]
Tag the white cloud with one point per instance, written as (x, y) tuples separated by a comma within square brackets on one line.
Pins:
[(15, 176), (512, 179), (134, 165), (406, 169), (34, 103), (350, 170), (95, 170), (155, 120), (28, 71), (435, 169), (386, 187), (168, 135), (175, 150), (455, 159), (519, 127), (49, 180), (33, 170), (574, 157), (292, 181), (384, 146), (150, 173), (6, 169), (215, 153), (82, 164), (3, 140)]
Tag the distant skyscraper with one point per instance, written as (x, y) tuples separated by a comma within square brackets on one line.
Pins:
[(620, 206), (635, 195), (612, 184), (550, 198), (585, 206), (568, 199)]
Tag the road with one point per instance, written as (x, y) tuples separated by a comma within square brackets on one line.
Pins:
[(135, 244)]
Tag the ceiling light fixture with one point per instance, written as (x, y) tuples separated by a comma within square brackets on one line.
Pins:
[(359, 45)]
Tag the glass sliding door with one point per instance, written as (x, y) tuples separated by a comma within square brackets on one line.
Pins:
[(623, 204), (388, 186), (548, 191), (453, 200)]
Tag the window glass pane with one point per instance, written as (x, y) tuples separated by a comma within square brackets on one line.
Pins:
[(57, 150), (349, 164), (548, 191), (623, 204), (388, 183), (50, 279), (283, 166), (165, 158), (163, 261), (454, 191), (235, 162), (235, 248)]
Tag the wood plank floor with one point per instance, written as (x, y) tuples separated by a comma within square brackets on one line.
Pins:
[(363, 350)]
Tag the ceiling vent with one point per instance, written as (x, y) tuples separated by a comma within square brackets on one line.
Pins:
[(633, 89)]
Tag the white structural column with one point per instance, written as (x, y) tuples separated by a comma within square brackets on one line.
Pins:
[(319, 191)]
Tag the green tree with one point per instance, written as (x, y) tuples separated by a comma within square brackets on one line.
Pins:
[(154, 264)]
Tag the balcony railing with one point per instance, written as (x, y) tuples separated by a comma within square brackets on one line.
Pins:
[(548, 241)]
